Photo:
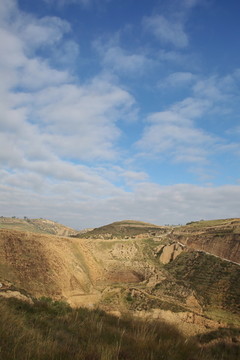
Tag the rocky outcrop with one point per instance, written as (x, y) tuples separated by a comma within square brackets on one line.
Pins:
[(168, 253), (188, 322), (15, 294)]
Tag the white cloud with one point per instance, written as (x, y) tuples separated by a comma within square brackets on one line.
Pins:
[(36, 33), (167, 31), (177, 134), (83, 118), (44, 112), (173, 134), (178, 79), (221, 89), (169, 25), (115, 58), (36, 74), (149, 202), (119, 60)]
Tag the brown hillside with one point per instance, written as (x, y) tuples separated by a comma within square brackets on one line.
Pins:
[(217, 237), (125, 228), (45, 265), (42, 226), (148, 276)]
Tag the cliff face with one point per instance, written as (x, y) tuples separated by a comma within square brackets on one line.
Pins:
[(222, 240)]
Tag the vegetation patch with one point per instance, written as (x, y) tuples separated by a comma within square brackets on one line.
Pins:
[(215, 281)]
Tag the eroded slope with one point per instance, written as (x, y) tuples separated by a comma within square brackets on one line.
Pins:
[(218, 237), (154, 277)]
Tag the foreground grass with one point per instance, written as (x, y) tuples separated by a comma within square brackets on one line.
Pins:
[(49, 330)]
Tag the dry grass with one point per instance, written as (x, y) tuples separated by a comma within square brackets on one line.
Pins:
[(218, 222), (51, 330)]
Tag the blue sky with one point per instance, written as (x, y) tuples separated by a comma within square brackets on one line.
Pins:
[(120, 109)]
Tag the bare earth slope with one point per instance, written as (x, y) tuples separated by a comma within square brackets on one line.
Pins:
[(45, 265), (150, 275), (36, 225), (218, 237)]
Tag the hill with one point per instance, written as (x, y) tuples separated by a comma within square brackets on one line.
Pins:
[(217, 237), (42, 226), (149, 274), (124, 229)]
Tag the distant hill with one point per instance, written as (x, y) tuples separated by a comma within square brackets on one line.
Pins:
[(124, 229), (42, 226), (217, 237)]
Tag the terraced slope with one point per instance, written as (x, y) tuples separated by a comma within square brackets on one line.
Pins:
[(215, 282), (42, 226)]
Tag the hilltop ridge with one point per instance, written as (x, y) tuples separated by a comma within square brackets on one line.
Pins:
[(217, 237), (42, 226), (125, 229)]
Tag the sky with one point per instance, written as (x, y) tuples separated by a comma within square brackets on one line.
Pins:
[(120, 109)]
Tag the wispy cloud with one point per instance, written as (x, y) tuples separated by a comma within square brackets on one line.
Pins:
[(168, 26), (117, 59), (176, 134), (65, 2), (83, 3), (173, 135), (166, 31), (114, 58), (178, 79)]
